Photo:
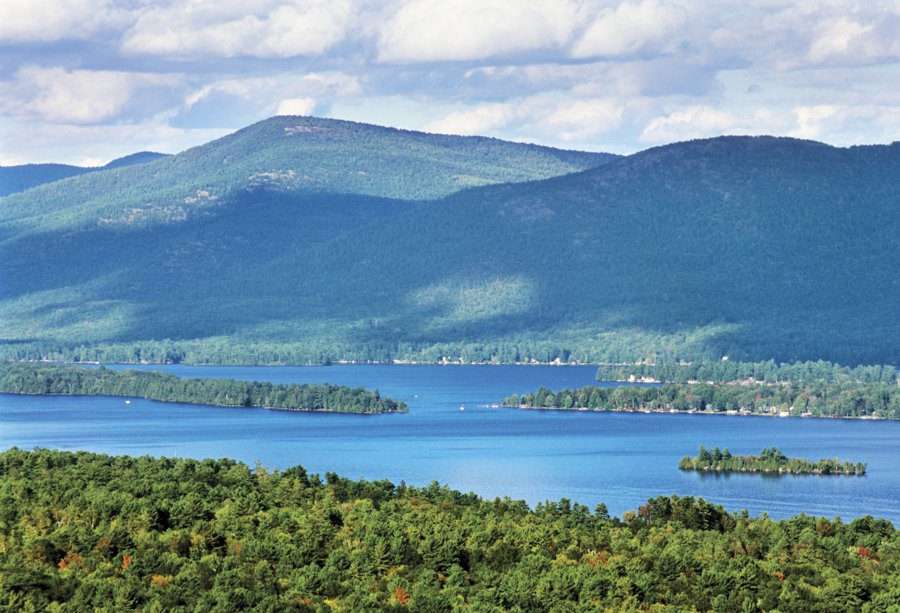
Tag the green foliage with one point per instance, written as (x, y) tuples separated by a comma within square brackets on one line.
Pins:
[(730, 371), (78, 381), (80, 531), (819, 399), (770, 460)]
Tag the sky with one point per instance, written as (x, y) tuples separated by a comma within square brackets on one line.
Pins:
[(84, 81)]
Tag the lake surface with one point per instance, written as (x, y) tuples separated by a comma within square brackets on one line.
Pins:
[(619, 459)]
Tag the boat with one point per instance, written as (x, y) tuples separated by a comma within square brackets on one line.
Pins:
[(462, 407)]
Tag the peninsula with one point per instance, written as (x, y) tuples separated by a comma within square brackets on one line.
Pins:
[(42, 379)]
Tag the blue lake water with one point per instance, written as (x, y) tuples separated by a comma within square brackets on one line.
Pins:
[(619, 459)]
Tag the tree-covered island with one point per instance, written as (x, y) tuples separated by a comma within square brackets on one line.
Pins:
[(770, 460), (43, 379)]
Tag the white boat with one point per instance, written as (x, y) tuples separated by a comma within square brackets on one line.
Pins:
[(462, 407), (127, 402)]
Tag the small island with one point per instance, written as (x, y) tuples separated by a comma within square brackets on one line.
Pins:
[(44, 379), (769, 461)]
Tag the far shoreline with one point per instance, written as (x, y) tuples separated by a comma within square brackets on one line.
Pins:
[(730, 413), (321, 364)]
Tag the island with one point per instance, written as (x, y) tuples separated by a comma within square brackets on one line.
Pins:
[(46, 379), (770, 460)]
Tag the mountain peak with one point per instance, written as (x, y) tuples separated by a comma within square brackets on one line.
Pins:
[(140, 157), (298, 155)]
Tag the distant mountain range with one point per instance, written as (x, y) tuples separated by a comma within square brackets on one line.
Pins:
[(14, 179), (302, 239)]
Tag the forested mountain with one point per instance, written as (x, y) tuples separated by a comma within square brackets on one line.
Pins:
[(288, 156), (14, 179), (302, 239)]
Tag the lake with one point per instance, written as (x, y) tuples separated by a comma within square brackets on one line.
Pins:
[(619, 459)]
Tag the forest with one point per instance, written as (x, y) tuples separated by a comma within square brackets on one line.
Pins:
[(86, 381), (816, 399), (731, 371), (770, 460), (82, 531)]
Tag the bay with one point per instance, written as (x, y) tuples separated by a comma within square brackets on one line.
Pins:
[(618, 459)]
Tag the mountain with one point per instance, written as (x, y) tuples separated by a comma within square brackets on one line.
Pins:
[(292, 156), (19, 178), (14, 179), (303, 239)]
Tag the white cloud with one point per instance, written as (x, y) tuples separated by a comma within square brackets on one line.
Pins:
[(844, 39), (577, 73), (450, 30), (704, 121), (47, 20), (275, 94), (847, 125), (553, 118), (228, 28), (836, 38), (57, 95), (832, 123), (630, 28), (296, 106), (581, 119), (33, 140), (481, 119), (810, 120)]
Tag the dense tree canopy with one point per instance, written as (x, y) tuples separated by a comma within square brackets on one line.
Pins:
[(82, 381), (81, 532), (813, 399), (730, 371)]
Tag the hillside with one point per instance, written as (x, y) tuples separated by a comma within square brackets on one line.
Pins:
[(14, 179), (288, 156), (749, 247)]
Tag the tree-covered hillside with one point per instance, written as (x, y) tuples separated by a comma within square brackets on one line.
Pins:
[(82, 532), (15, 179), (755, 248), (291, 156)]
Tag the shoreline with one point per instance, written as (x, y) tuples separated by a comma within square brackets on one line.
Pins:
[(772, 473), (730, 413), (203, 404), (313, 364)]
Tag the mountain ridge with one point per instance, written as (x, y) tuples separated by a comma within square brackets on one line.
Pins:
[(297, 154), (22, 177), (750, 247)]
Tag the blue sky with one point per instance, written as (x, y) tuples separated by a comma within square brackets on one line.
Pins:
[(84, 81)]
